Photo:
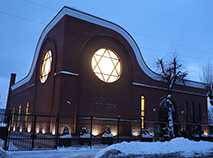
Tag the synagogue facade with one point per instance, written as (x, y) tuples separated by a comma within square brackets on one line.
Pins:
[(86, 65)]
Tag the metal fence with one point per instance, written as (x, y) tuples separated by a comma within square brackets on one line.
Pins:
[(35, 132), (133, 129), (31, 132)]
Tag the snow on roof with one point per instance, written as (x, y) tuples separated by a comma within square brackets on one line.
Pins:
[(2, 106)]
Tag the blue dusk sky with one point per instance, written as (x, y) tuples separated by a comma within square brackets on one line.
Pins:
[(159, 27)]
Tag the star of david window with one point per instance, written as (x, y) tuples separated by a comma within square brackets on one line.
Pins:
[(106, 65), (45, 66)]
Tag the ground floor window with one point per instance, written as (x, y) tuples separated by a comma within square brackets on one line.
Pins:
[(13, 111), (26, 112), (142, 112), (19, 112)]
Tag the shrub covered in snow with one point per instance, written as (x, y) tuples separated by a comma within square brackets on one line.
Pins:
[(146, 134), (210, 114), (84, 133), (65, 133), (107, 132)]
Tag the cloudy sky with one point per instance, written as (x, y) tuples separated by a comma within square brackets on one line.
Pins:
[(158, 27)]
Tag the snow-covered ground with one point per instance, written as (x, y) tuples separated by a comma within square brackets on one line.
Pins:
[(178, 147)]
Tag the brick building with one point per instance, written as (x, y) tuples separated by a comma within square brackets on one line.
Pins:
[(86, 65)]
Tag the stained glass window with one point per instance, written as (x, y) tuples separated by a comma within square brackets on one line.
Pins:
[(45, 66), (106, 65)]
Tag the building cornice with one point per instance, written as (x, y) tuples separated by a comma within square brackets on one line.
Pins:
[(174, 90)]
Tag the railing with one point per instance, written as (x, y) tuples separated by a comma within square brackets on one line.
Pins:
[(32, 132)]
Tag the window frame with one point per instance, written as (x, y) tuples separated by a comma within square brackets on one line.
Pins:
[(44, 72), (142, 112), (95, 65)]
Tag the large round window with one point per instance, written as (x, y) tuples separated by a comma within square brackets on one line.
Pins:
[(45, 66), (106, 65)]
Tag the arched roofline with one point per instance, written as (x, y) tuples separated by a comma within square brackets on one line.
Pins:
[(104, 23)]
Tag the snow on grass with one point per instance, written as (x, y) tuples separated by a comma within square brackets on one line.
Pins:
[(182, 146)]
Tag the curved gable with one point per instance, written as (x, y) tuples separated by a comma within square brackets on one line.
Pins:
[(98, 21)]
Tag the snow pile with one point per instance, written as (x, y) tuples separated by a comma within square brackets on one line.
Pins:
[(3, 154), (180, 146), (2, 106), (66, 136), (86, 135), (146, 136), (2, 124), (11, 146), (107, 135)]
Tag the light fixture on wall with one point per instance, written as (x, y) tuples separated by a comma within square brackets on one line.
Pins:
[(95, 132), (43, 131), (37, 130), (136, 133), (53, 131), (68, 102), (114, 133), (20, 128), (182, 112), (29, 128), (153, 110)]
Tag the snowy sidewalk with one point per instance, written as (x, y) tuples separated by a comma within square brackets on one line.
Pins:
[(177, 147), (67, 152), (54, 154)]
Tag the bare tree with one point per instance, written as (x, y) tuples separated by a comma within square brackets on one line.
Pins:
[(207, 79), (171, 73)]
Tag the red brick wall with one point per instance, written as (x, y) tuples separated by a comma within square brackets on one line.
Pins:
[(73, 43)]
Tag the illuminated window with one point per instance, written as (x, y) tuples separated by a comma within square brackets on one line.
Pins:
[(26, 113), (13, 111), (106, 65), (142, 112), (45, 66), (19, 112)]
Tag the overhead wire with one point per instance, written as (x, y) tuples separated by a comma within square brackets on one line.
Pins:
[(162, 40), (19, 17), (140, 34), (155, 38), (40, 5), (155, 50)]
